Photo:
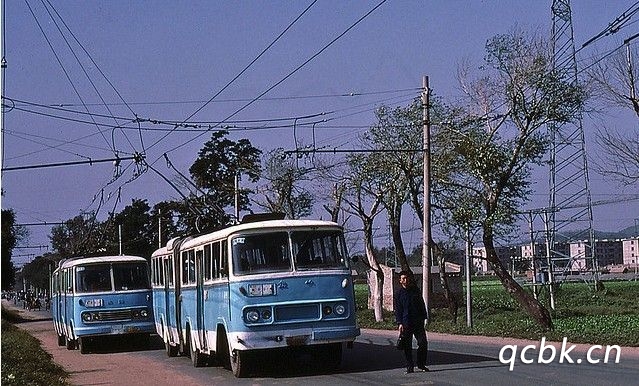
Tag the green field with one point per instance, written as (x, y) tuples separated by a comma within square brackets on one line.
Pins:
[(582, 315)]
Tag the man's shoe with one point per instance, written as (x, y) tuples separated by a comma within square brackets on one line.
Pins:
[(409, 371), (423, 369)]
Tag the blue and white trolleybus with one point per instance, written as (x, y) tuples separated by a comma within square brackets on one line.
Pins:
[(101, 296), (252, 288)]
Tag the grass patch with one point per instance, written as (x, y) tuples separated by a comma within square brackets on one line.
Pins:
[(582, 315), (24, 362)]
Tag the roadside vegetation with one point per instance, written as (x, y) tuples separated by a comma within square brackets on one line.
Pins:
[(582, 315), (24, 362)]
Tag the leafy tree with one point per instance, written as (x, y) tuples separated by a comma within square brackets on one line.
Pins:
[(493, 146), (136, 226), (79, 236), (12, 235), (363, 199), (214, 171), (36, 273), (285, 192)]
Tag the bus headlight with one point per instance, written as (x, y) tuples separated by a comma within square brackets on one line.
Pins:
[(266, 314), (340, 309), (86, 317), (144, 313), (252, 316)]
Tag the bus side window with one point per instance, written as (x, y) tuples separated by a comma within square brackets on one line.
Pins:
[(169, 272), (191, 266), (224, 258), (207, 262), (216, 260), (161, 271), (185, 268)]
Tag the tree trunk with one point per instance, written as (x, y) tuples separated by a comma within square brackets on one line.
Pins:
[(451, 299), (532, 306), (377, 288), (394, 220)]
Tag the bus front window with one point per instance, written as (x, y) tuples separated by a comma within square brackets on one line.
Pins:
[(261, 253), (130, 276), (318, 249), (93, 278)]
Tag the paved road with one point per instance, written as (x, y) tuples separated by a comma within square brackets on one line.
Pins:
[(453, 360)]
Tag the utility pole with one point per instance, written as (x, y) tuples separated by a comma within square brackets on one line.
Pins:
[(120, 237), (237, 196), (426, 258), (160, 228), (469, 256)]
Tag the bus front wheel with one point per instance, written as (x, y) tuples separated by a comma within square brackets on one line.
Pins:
[(83, 345), (70, 344), (240, 363), (61, 340)]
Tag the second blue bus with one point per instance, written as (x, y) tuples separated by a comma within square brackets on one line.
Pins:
[(94, 297)]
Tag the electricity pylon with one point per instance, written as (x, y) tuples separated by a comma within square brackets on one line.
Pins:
[(570, 200)]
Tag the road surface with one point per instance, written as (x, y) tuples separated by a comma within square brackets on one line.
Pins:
[(453, 360)]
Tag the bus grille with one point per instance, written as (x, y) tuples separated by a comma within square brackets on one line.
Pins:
[(297, 312), (115, 315)]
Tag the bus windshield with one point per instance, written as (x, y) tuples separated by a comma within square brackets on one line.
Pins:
[(260, 253), (126, 276), (318, 249), (130, 276), (93, 278)]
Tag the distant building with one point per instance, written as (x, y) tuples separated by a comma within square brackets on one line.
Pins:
[(630, 251), (510, 256)]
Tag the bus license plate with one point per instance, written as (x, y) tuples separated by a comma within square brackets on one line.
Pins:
[(299, 340)]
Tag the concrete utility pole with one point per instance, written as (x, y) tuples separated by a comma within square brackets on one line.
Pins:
[(469, 256), (426, 258)]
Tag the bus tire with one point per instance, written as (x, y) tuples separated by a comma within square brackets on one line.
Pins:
[(197, 358), (61, 340), (83, 345), (70, 344), (171, 351), (240, 363), (330, 356)]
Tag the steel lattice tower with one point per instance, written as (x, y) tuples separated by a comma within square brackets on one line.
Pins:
[(570, 205)]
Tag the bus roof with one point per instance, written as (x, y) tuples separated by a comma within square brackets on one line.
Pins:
[(269, 224), (100, 259)]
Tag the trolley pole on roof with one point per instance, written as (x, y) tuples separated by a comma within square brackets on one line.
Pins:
[(426, 258)]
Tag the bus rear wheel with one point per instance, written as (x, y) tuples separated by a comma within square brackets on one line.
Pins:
[(198, 359), (61, 340), (171, 351), (71, 345)]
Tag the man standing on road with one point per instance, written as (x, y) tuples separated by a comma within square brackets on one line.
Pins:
[(410, 315)]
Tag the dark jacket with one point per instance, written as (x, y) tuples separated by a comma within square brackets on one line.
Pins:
[(409, 307)]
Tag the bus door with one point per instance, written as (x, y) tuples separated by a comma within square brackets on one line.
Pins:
[(169, 279), (199, 298)]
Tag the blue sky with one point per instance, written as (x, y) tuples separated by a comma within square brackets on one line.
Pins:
[(166, 58)]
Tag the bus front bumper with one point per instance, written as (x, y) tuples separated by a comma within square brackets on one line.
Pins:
[(292, 338)]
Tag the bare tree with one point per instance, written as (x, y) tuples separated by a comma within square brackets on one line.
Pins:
[(613, 81)]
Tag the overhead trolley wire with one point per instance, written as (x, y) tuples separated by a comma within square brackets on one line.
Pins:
[(55, 54), (290, 73), (241, 72)]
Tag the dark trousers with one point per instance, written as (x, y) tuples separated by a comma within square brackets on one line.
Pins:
[(422, 347)]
